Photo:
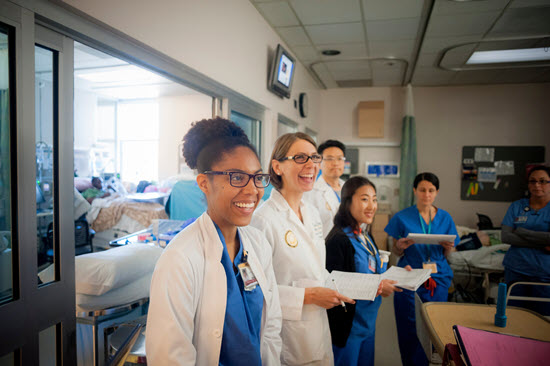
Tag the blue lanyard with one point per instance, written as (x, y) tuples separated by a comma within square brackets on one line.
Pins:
[(428, 249)]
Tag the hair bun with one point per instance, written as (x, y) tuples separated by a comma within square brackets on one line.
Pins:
[(203, 133)]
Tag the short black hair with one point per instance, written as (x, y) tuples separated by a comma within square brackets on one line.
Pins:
[(427, 176), (331, 143), (207, 140)]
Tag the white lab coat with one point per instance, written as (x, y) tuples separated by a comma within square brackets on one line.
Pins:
[(189, 296), (322, 196), (305, 332)]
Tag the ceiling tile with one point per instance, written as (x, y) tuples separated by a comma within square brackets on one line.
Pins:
[(294, 36), (327, 11), (523, 75), (432, 76), (391, 30), (476, 77), (360, 83), (528, 3), (523, 21), (278, 14), (385, 75), (391, 9), (399, 49), (446, 7), (305, 53), (336, 33), (460, 24), (349, 70), (435, 45), (348, 50), (324, 75), (427, 59)]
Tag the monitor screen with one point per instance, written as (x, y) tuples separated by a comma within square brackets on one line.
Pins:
[(282, 72)]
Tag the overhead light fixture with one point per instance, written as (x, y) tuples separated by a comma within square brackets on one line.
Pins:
[(504, 56), (330, 52)]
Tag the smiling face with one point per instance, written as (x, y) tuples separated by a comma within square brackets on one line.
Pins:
[(364, 204), (332, 166), (539, 190), (297, 177), (425, 193), (230, 206)]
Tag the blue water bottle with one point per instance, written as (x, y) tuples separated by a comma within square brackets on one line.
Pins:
[(500, 316)]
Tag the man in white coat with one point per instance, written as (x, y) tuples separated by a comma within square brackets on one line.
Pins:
[(325, 195)]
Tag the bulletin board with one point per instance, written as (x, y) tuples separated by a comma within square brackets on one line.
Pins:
[(497, 173)]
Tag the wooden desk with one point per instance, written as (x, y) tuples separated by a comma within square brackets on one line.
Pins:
[(439, 318)]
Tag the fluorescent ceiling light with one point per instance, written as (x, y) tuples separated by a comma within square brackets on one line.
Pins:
[(502, 56)]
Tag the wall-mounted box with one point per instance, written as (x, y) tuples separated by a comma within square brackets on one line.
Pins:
[(371, 119)]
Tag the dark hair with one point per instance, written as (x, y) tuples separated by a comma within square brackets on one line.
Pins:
[(343, 217), (331, 143), (430, 177), (207, 140), (282, 145), (543, 168)]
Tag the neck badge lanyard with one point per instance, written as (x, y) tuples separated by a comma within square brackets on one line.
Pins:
[(429, 264), (365, 241)]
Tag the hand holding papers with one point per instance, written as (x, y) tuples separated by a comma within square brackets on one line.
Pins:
[(431, 238), (358, 286), (409, 280)]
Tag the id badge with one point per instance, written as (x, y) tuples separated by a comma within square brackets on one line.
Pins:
[(430, 265), (372, 264), (249, 280)]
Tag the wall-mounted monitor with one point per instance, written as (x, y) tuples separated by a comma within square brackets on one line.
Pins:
[(282, 72)]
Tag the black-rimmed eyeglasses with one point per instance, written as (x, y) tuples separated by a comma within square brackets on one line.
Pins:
[(240, 179), (303, 158)]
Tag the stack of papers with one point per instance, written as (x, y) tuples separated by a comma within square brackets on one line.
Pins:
[(357, 286), (408, 280), (431, 238)]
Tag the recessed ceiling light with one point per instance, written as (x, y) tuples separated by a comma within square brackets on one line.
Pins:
[(501, 56), (330, 52)]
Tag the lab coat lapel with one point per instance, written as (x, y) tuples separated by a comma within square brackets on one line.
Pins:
[(214, 291), (329, 194)]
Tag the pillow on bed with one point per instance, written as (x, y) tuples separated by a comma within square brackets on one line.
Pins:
[(131, 292), (82, 184), (100, 272)]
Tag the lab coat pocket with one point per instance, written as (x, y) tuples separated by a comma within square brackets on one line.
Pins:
[(302, 341)]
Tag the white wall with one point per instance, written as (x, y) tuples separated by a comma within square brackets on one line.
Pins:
[(228, 41), (447, 118), (175, 117)]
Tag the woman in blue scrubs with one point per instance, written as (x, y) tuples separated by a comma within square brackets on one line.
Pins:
[(214, 299), (350, 249), (526, 227), (422, 218)]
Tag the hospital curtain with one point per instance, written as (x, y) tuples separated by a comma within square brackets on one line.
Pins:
[(408, 154)]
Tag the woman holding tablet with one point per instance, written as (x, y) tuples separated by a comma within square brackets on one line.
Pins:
[(214, 299), (422, 218)]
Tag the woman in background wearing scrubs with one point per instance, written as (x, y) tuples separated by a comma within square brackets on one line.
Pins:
[(294, 230), (422, 218), (214, 299), (349, 249), (526, 227)]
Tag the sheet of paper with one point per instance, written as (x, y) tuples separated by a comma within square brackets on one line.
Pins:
[(487, 174), (505, 167), (431, 238), (358, 286), (409, 280), (484, 154)]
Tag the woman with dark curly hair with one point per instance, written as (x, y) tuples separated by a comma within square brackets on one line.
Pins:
[(214, 299)]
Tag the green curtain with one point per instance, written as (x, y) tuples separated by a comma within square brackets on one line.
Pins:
[(408, 163), (5, 222)]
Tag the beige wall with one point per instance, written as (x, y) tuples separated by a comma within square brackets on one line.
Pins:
[(447, 118), (175, 117)]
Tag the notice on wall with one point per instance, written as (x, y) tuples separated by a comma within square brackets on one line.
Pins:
[(487, 174), (504, 167), (484, 154)]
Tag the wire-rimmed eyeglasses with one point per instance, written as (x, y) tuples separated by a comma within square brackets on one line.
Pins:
[(303, 158), (241, 179), (542, 182)]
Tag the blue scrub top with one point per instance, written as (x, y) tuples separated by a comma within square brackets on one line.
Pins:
[(408, 221), (528, 261), (243, 315)]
